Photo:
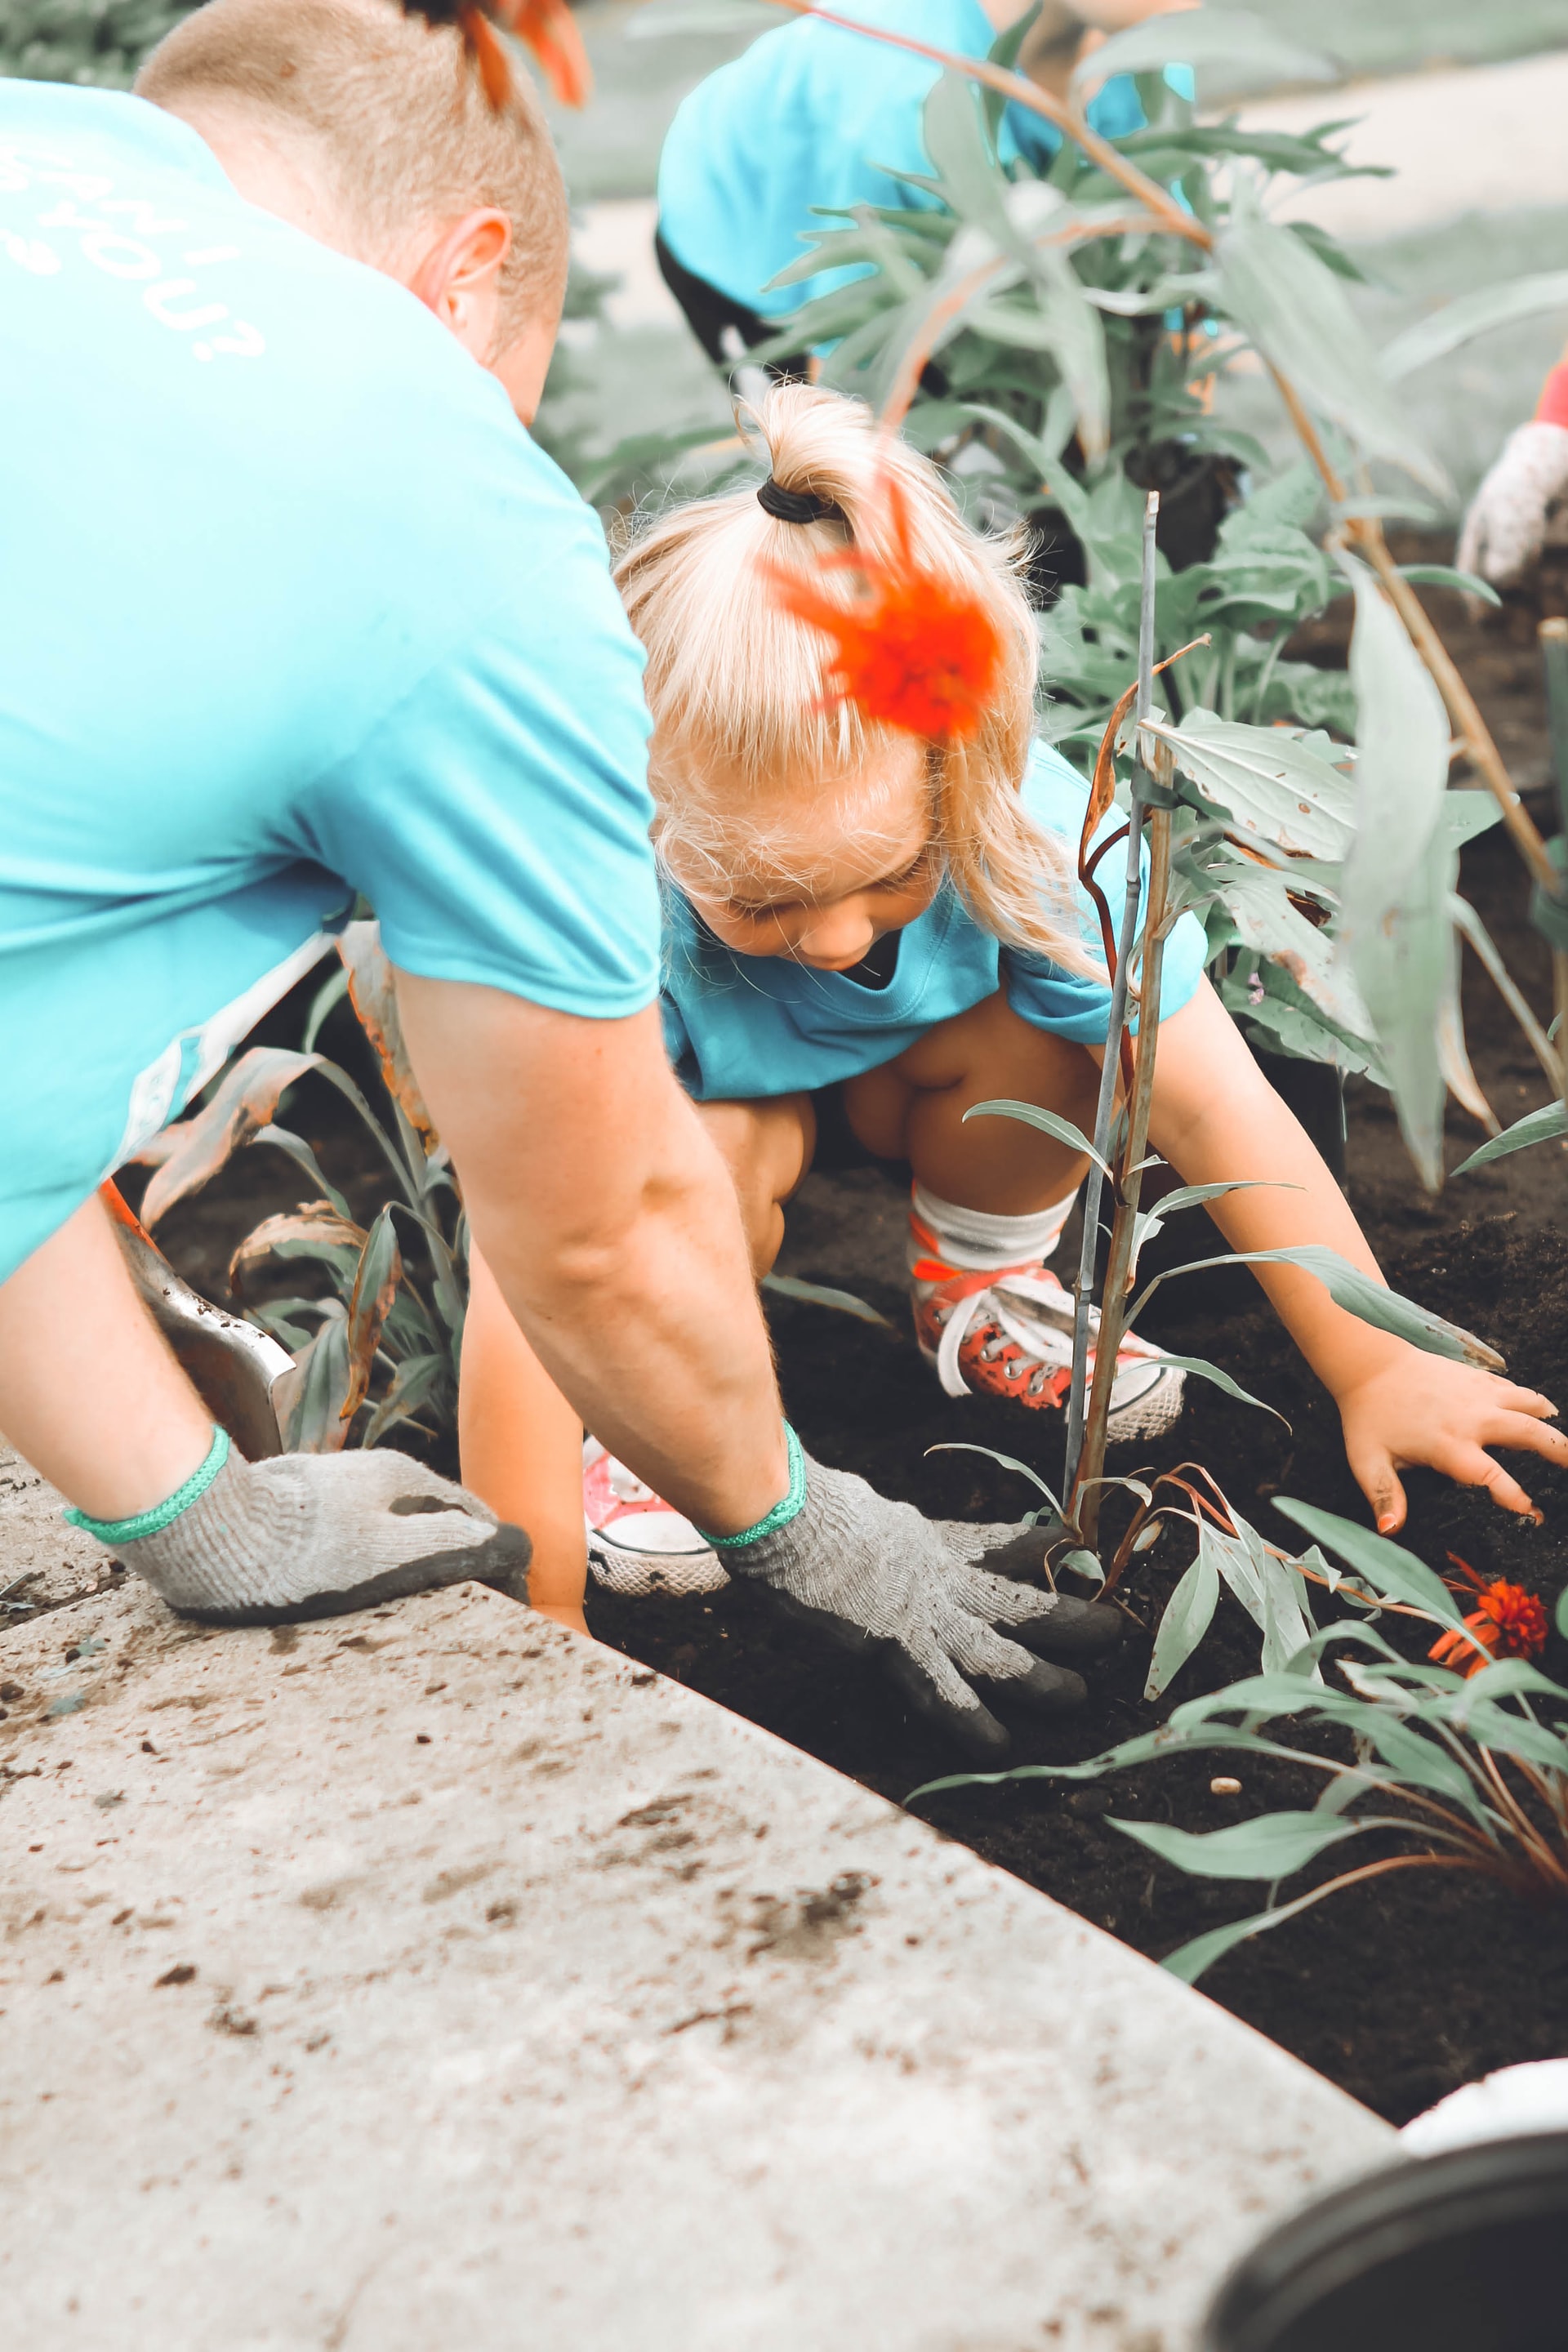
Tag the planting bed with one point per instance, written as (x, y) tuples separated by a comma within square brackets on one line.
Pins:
[(1398, 1991)]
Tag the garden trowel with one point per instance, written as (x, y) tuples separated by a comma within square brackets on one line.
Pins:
[(232, 1364)]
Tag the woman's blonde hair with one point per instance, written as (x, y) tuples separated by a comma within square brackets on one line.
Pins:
[(735, 684)]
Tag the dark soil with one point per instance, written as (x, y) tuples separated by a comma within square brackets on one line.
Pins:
[(1398, 1991)]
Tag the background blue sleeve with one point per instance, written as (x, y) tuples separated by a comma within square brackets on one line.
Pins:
[(497, 818)]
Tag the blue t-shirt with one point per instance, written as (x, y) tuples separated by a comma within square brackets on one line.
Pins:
[(805, 118), (290, 606), (738, 1026)]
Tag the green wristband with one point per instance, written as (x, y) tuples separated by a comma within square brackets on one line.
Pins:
[(782, 1513), (148, 1523)]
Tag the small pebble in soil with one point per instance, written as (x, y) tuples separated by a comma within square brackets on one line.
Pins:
[(1225, 1787)]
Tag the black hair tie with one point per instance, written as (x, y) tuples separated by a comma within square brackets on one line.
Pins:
[(796, 506)]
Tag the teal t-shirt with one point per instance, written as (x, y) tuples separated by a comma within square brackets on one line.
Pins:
[(813, 116), (290, 607), (738, 1026)]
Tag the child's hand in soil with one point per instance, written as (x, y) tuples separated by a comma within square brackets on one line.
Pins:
[(1419, 1411)]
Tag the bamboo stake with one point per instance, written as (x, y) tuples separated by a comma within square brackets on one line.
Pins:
[(1554, 655), (1117, 1269), (1077, 1467)]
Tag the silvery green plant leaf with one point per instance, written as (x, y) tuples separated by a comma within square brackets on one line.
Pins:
[(1191, 1960), (1387, 1567), (1067, 492), (1466, 813), (1359, 1295), (1258, 903), (1444, 575), (1443, 331), (1231, 36), (309, 1398), (816, 1293), (1007, 1461), (1204, 1371), (1272, 783), (1395, 913), (416, 1380), (284, 1140), (1050, 1122), (973, 183), (1266, 1589), (1270, 1848), (1260, 995), (1296, 310), (1537, 1127), (1187, 1616)]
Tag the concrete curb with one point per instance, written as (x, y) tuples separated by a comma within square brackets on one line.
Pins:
[(434, 1979)]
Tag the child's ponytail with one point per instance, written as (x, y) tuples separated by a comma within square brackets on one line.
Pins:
[(735, 684)]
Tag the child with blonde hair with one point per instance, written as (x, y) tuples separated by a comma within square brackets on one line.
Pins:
[(871, 931)]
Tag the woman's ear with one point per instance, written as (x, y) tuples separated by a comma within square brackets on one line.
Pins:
[(459, 277)]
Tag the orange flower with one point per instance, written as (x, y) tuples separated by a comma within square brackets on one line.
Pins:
[(1508, 1623), (911, 651), (546, 26)]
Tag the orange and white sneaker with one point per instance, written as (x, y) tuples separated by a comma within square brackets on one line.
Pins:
[(637, 1543), (1008, 1332)]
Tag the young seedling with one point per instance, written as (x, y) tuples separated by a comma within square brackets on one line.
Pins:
[(1465, 1771)]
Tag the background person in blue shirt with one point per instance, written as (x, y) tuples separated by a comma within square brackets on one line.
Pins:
[(292, 608), (813, 116)]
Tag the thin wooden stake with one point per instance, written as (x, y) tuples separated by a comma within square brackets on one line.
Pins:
[(1079, 1498), (1554, 655)]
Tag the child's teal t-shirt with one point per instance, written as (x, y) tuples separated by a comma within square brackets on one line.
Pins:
[(290, 607), (738, 1026), (813, 116)]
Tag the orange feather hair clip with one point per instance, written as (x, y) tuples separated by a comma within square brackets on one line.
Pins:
[(547, 28), (910, 651)]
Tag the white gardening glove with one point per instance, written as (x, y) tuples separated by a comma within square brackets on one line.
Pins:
[(316, 1535), (875, 1576), (1506, 527)]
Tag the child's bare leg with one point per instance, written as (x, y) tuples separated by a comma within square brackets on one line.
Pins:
[(521, 1442), (90, 1393), (912, 1109), (522, 1448), (766, 1145), (991, 1200)]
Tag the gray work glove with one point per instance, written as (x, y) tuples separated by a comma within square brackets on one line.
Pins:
[(1505, 529), (875, 1576), (316, 1535)]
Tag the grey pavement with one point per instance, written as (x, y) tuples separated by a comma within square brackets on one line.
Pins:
[(435, 1979)]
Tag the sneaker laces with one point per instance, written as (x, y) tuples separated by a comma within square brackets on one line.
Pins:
[(1045, 1339)]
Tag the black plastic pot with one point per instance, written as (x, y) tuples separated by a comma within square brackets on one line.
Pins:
[(1461, 2252), (1196, 493)]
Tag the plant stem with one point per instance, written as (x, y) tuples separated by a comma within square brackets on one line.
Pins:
[(1469, 923), (1119, 1262), (1555, 656), (1086, 1453)]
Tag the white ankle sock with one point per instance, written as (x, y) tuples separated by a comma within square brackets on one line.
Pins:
[(976, 1241)]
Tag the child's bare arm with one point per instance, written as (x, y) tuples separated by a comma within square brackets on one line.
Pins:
[(1215, 1118)]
